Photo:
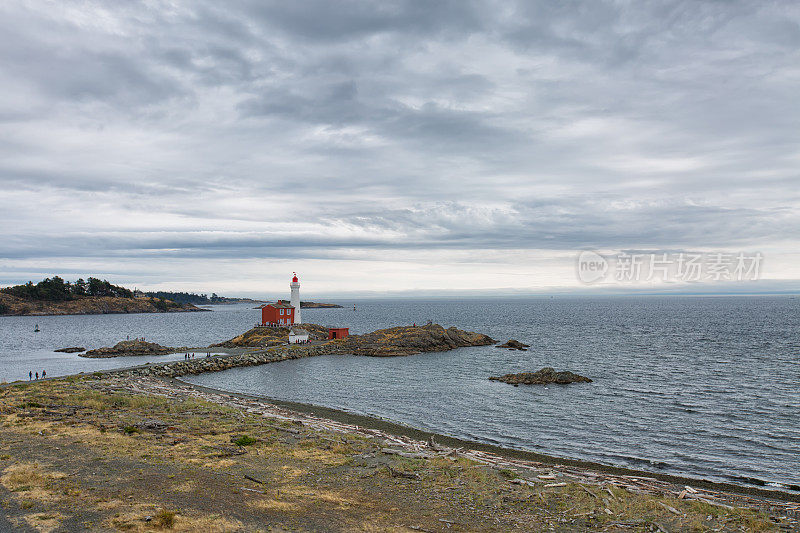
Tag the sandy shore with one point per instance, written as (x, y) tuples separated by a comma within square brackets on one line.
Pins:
[(122, 452)]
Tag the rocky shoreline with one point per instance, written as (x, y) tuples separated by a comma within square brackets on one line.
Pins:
[(125, 452)]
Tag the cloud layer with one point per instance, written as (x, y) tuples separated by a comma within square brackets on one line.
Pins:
[(149, 140)]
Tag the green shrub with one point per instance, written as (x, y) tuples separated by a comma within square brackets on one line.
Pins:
[(244, 440), (130, 430), (508, 474)]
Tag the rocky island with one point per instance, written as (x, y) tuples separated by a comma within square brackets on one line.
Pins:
[(269, 346), (544, 376), (134, 347), (261, 337), (411, 340), (401, 340)]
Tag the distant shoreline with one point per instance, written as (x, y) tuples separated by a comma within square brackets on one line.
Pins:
[(91, 305), (315, 305)]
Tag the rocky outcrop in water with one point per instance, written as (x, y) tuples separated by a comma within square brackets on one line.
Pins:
[(73, 349), (134, 347), (410, 340), (514, 344), (541, 377)]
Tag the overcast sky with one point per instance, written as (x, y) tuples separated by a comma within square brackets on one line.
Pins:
[(394, 145)]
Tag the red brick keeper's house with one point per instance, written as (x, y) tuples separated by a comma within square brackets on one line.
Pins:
[(279, 313)]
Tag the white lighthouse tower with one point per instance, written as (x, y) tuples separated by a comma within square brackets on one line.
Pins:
[(295, 300)]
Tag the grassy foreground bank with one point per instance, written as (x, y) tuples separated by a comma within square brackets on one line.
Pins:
[(124, 453)]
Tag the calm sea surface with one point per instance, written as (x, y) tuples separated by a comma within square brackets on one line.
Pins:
[(704, 387)]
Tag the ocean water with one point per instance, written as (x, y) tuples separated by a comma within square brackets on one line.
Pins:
[(22, 350), (696, 386)]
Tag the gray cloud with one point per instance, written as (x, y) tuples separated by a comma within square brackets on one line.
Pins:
[(322, 131)]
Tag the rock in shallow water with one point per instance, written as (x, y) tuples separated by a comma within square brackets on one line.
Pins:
[(73, 349), (514, 344), (541, 377)]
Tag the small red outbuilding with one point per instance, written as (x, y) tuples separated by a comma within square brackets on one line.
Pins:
[(338, 333)]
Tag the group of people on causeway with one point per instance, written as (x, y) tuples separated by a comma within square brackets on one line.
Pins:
[(188, 356), (31, 375)]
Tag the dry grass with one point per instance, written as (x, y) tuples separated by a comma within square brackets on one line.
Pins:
[(186, 486), (137, 520), (31, 481), (327, 457), (44, 522), (304, 475), (316, 497), (273, 504)]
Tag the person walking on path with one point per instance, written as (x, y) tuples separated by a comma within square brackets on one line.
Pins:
[(44, 373), (37, 375), (30, 375)]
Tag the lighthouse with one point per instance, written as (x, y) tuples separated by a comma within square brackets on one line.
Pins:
[(295, 300)]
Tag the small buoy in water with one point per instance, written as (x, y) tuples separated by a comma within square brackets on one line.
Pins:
[(36, 329), (354, 307)]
